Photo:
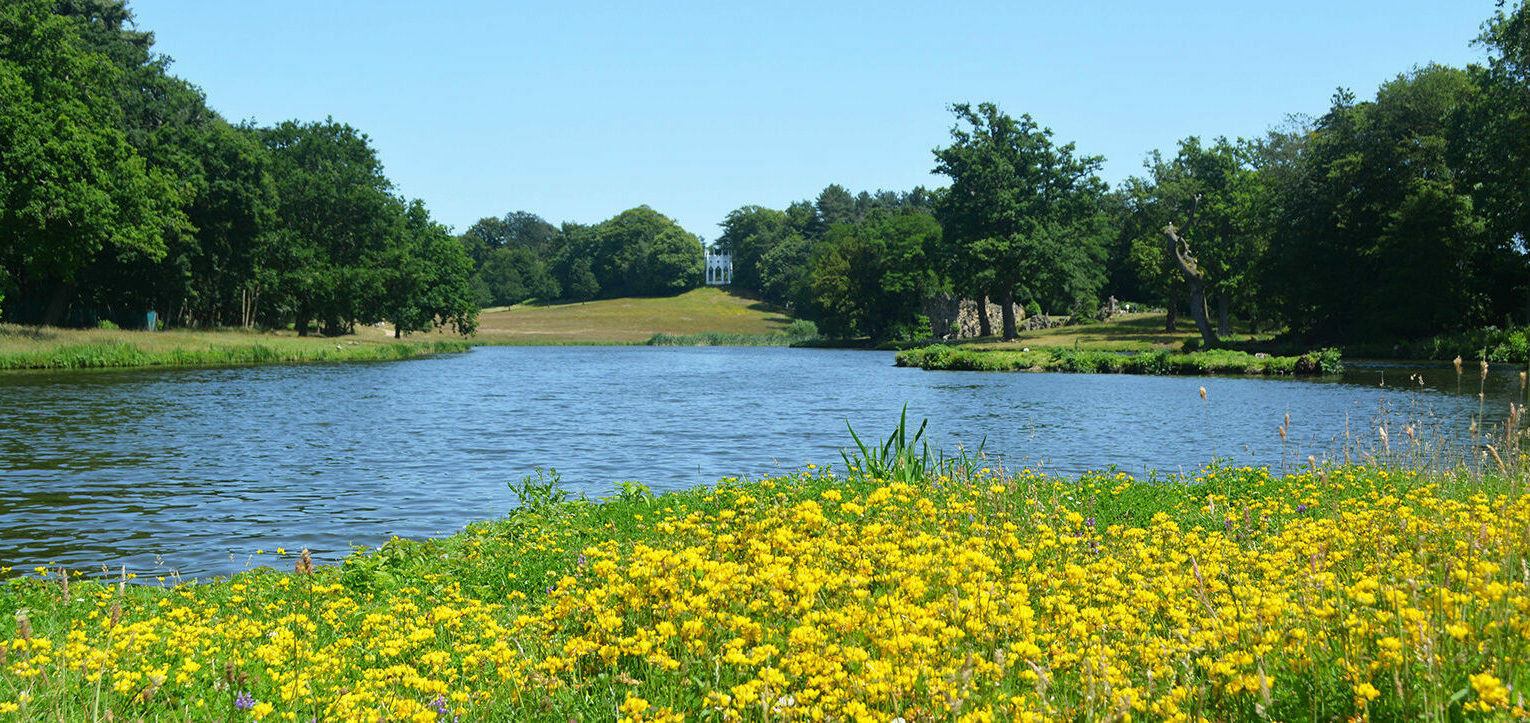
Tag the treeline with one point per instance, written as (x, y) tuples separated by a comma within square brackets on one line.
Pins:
[(122, 192), (1387, 219), (639, 252)]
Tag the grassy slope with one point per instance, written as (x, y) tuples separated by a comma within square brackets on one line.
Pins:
[(627, 321), (25, 347)]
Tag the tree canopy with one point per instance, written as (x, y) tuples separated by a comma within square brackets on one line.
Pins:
[(122, 191), (1022, 210)]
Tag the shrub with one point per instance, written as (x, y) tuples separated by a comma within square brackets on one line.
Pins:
[(802, 330)]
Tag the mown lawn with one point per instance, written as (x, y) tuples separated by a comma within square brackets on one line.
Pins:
[(628, 320), (1126, 332)]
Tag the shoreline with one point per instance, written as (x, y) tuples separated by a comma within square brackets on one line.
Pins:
[(59, 349), (940, 357)]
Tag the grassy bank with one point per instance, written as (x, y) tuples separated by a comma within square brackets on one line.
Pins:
[(1125, 332), (23, 347), (922, 592), (1217, 361), (630, 320)]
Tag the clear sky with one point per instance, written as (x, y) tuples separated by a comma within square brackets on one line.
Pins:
[(577, 111)]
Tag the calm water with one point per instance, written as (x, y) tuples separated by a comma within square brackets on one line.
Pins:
[(194, 470)]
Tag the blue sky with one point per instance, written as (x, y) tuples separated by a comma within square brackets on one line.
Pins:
[(576, 111)]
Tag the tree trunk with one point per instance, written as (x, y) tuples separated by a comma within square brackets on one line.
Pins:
[(1171, 313), (303, 315), (1007, 311), (1179, 249), (1202, 318), (985, 327), (57, 304), (1223, 328)]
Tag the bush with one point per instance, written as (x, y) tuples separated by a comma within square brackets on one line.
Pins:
[(1032, 308), (802, 330), (106, 324)]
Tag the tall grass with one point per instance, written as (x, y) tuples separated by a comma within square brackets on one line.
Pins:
[(720, 338), (796, 332), (275, 350)]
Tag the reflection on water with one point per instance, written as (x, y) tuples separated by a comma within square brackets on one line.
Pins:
[(197, 469)]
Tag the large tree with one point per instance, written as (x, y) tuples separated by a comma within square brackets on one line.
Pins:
[(1491, 146), (750, 233), (1199, 230), (427, 278), (71, 185), (1023, 208), (641, 252), (870, 278), (337, 219), (1379, 235)]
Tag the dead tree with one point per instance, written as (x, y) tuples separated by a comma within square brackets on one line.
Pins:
[(1179, 248)]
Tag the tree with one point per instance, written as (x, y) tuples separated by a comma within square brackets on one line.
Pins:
[(71, 184), (835, 206), (641, 252), (674, 262), (1490, 145), (427, 279), (750, 233), (513, 275), (871, 278), (1207, 227), (581, 282), (336, 220), (1022, 208), (517, 229), (1380, 235)]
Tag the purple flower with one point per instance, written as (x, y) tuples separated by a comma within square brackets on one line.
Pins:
[(1300, 509), (1090, 522), (244, 701), (440, 705)]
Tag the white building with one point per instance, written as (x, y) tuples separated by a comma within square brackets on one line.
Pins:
[(719, 267)]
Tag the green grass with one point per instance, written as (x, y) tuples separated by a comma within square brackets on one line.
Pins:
[(1126, 332), (23, 347), (1216, 361), (708, 310)]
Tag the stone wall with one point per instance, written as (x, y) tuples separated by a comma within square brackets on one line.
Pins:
[(954, 318)]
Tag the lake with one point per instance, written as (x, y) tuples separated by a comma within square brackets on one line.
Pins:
[(194, 470)]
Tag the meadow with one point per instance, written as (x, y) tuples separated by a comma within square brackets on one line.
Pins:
[(907, 587), (30, 347)]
